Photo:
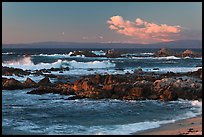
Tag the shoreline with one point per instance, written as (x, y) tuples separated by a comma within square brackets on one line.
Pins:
[(190, 126)]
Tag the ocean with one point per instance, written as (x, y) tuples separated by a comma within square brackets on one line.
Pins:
[(52, 114)]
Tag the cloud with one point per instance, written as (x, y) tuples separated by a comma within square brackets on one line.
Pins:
[(143, 30)]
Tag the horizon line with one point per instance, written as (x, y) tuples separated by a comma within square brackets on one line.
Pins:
[(108, 42)]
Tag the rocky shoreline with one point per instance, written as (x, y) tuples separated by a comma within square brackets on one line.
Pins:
[(137, 86)]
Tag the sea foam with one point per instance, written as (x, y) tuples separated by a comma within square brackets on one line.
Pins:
[(26, 63)]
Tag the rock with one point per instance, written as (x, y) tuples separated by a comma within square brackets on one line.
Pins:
[(197, 73), (12, 84), (168, 95), (75, 97), (155, 68), (135, 93), (171, 89), (77, 85), (138, 70), (120, 69), (142, 83), (44, 82), (199, 65), (4, 80), (137, 86), (59, 69), (13, 71), (162, 84), (38, 72), (86, 85), (108, 80), (98, 79), (29, 83), (41, 90), (113, 54), (189, 53), (109, 87), (164, 52), (121, 89), (55, 90), (86, 53)]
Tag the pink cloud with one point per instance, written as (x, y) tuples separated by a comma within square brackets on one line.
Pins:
[(143, 30)]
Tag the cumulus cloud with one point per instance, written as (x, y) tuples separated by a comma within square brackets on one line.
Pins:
[(143, 30)]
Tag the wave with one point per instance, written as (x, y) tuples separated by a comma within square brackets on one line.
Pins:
[(26, 63), (168, 57), (81, 71), (57, 55), (138, 54), (196, 103), (21, 61), (99, 52), (140, 126), (172, 69), (165, 58), (148, 53), (8, 53), (30, 126), (92, 64), (23, 78)]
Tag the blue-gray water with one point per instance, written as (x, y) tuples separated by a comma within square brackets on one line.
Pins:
[(51, 114)]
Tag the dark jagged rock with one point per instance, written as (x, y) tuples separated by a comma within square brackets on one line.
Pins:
[(164, 52), (45, 82), (29, 83), (13, 71), (190, 53), (113, 54), (74, 97), (86, 53), (155, 68), (172, 88), (43, 90), (55, 90), (11, 84), (165, 87)]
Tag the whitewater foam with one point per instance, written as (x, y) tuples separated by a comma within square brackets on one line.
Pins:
[(8, 53), (172, 69), (23, 61), (92, 64), (160, 58), (26, 63), (60, 55), (22, 79), (100, 52)]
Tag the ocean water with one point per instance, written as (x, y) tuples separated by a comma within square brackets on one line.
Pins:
[(52, 114)]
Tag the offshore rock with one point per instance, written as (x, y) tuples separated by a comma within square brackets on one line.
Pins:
[(11, 84)]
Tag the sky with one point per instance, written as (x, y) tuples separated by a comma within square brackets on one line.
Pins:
[(126, 22)]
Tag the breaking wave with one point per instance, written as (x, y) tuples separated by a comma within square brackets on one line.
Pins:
[(26, 63)]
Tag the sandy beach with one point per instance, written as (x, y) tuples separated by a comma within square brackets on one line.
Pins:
[(191, 126)]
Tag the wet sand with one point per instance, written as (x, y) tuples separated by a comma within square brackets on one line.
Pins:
[(191, 126)]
